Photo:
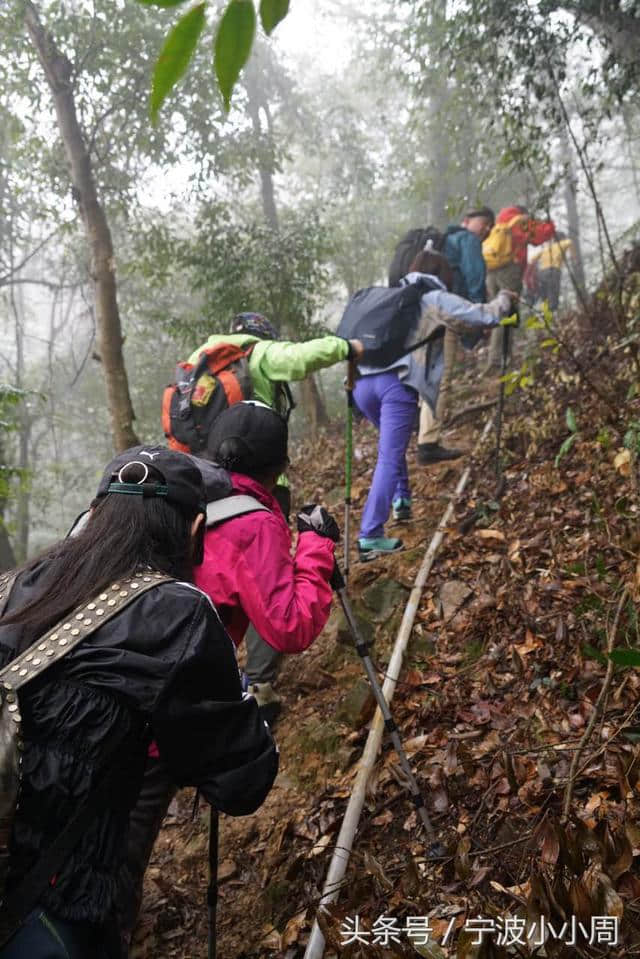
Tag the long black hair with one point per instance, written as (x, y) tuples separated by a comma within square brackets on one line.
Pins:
[(428, 261), (123, 533)]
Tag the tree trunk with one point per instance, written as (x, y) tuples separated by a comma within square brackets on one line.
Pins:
[(314, 408), (58, 71), (7, 556), (573, 216), (263, 142), (439, 141)]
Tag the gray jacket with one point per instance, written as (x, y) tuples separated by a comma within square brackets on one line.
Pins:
[(441, 311)]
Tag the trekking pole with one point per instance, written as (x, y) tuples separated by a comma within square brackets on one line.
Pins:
[(506, 336), (338, 583), (212, 891), (348, 385), (503, 373)]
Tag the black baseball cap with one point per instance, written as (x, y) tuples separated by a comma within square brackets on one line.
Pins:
[(249, 437), (166, 473)]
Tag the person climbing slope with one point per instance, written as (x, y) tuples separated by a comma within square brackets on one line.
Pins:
[(161, 666), (505, 253), (549, 260), (249, 574), (272, 364), (388, 397), (462, 248)]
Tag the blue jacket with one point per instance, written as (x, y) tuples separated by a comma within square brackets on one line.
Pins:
[(463, 250)]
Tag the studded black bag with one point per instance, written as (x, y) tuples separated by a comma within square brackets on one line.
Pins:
[(44, 652)]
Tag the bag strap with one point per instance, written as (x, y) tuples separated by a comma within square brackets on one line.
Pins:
[(230, 506), (45, 651), (67, 634)]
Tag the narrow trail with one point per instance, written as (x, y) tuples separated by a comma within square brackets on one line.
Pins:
[(495, 695)]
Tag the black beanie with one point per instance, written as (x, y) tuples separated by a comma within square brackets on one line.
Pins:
[(250, 438)]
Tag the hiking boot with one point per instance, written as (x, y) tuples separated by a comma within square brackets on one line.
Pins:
[(371, 546), (269, 706), (429, 453), (401, 509)]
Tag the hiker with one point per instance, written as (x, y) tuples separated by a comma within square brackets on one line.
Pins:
[(248, 570), (505, 253), (462, 246), (148, 658), (549, 260), (272, 363), (250, 575), (388, 397)]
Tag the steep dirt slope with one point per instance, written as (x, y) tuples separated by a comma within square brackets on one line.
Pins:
[(503, 672)]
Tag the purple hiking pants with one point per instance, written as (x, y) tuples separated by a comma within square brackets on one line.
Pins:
[(391, 407)]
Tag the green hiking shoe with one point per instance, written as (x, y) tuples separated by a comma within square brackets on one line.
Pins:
[(401, 509), (371, 546)]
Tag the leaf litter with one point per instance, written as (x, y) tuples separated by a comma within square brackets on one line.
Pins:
[(492, 705)]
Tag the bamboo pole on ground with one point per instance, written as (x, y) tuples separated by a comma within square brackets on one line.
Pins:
[(344, 843)]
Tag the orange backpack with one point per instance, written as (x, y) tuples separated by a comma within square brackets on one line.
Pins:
[(202, 391)]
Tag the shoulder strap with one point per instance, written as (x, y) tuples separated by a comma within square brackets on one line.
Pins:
[(229, 507), (50, 648), (85, 620)]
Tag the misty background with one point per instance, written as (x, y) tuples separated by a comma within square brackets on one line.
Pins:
[(354, 123)]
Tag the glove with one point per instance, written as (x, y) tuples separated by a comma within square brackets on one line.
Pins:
[(315, 519), (503, 303)]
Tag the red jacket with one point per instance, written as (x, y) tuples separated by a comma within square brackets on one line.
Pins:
[(528, 231), (251, 576)]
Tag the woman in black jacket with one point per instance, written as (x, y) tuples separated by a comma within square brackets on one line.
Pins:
[(162, 668)]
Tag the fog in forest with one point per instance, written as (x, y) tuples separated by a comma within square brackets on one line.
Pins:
[(349, 126)]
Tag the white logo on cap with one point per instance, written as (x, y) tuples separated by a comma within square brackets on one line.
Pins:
[(151, 456)]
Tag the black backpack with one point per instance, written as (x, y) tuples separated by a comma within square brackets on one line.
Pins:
[(408, 248), (385, 320)]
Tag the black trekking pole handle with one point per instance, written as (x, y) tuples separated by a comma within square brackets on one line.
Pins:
[(338, 583)]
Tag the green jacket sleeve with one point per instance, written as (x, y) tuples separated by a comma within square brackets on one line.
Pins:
[(279, 361)]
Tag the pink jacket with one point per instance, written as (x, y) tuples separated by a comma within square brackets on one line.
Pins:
[(251, 576)]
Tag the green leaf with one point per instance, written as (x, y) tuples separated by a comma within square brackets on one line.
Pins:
[(548, 342), (533, 323), (175, 56), (625, 657), (566, 446), (592, 653), (272, 12), (233, 44), (161, 3), (509, 320), (570, 417)]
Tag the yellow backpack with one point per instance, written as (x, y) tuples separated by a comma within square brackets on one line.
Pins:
[(497, 249)]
